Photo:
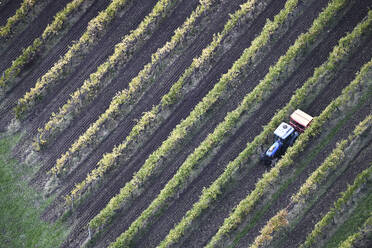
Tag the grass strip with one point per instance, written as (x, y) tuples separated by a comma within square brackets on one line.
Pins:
[(353, 222), (21, 207), (330, 164), (95, 30)]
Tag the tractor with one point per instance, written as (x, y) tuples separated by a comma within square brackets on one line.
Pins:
[(285, 136)]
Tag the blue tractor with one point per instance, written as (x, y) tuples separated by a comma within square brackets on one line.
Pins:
[(285, 136)]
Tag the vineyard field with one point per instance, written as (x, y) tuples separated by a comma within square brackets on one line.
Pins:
[(142, 123)]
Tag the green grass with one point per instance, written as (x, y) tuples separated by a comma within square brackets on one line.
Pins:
[(21, 206), (353, 223)]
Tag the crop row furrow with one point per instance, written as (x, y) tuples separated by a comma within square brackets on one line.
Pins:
[(154, 164), (335, 163), (350, 97), (94, 32), (342, 206), (62, 21)]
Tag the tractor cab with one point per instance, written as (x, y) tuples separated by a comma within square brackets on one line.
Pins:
[(286, 134)]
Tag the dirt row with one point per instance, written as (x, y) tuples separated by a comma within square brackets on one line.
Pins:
[(9, 10), (343, 78), (215, 217)]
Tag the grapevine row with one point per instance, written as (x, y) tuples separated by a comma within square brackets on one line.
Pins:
[(352, 192), (102, 78), (153, 163), (95, 30), (21, 13), (153, 117), (7, 81), (194, 161), (330, 165), (137, 86), (118, 104), (348, 97), (110, 159), (168, 101), (210, 194)]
